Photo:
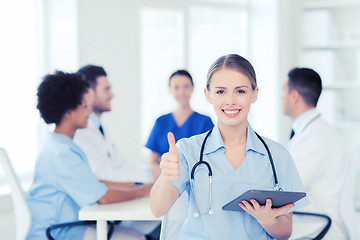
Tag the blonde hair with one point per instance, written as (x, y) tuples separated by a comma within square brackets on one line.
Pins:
[(235, 62)]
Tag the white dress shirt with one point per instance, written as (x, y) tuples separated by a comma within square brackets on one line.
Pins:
[(105, 158), (322, 163)]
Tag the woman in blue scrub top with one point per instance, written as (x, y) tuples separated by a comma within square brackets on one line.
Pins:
[(239, 162), (63, 180), (183, 122)]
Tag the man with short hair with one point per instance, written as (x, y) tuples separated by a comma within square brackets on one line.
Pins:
[(105, 158), (63, 180), (316, 148)]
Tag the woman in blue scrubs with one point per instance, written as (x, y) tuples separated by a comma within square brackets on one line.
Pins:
[(184, 122), (63, 180), (239, 162)]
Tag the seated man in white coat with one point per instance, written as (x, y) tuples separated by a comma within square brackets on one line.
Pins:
[(105, 158), (316, 148)]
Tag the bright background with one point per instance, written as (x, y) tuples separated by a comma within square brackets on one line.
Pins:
[(141, 42)]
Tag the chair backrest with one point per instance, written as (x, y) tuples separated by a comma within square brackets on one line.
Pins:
[(347, 204), (21, 209)]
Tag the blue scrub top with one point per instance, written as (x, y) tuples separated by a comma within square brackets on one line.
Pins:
[(63, 183), (254, 173), (195, 124)]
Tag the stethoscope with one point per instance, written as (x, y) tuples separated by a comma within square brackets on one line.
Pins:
[(201, 161)]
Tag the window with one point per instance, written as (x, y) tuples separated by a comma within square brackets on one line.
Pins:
[(30, 50), (189, 36), (19, 77), (213, 32), (162, 51)]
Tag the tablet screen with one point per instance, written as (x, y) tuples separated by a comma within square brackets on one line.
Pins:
[(278, 198)]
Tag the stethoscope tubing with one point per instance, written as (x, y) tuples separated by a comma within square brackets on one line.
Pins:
[(201, 161), (192, 176), (271, 160)]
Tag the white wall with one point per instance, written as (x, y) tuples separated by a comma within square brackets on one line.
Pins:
[(106, 32), (109, 36), (263, 55), (286, 50)]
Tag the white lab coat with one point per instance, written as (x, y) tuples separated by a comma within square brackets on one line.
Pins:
[(105, 158), (322, 164), (108, 163)]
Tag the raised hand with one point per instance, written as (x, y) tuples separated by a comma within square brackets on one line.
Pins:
[(169, 164)]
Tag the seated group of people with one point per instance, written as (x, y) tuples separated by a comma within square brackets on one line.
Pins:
[(79, 164)]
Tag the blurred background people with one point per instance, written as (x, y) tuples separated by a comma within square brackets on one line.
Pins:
[(63, 181), (317, 150), (104, 155), (183, 122)]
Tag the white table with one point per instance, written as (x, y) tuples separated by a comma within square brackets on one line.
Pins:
[(136, 209)]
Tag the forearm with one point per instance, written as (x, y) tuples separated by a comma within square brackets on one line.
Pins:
[(118, 196), (116, 193), (162, 196), (118, 185), (280, 228)]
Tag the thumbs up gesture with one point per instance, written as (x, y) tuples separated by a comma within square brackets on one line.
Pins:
[(169, 164)]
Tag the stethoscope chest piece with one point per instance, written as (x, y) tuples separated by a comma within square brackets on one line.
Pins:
[(211, 212)]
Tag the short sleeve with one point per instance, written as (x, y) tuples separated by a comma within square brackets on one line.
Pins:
[(182, 183), (152, 142), (77, 180)]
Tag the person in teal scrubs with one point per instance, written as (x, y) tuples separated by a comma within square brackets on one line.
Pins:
[(239, 162), (183, 122), (63, 180)]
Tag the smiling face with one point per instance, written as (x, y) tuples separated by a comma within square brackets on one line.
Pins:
[(231, 95), (181, 88)]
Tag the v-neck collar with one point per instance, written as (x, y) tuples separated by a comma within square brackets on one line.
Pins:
[(215, 141), (173, 118)]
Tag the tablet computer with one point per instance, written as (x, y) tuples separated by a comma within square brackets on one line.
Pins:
[(278, 198)]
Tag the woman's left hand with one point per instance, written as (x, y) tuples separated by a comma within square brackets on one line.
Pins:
[(265, 215)]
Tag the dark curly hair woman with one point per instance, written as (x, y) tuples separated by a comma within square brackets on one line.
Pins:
[(63, 180)]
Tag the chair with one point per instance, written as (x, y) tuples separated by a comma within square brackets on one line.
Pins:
[(321, 224), (347, 203), (77, 223), (21, 209)]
